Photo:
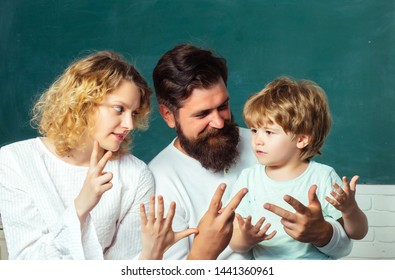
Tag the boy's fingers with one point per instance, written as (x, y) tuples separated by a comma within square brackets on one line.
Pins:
[(353, 183)]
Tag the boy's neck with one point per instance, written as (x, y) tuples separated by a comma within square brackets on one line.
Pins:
[(286, 172)]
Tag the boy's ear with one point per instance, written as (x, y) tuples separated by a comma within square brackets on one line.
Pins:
[(167, 115), (302, 141)]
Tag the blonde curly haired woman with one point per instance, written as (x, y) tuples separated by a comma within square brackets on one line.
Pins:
[(76, 192)]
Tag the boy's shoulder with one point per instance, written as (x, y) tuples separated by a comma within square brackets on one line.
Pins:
[(320, 167)]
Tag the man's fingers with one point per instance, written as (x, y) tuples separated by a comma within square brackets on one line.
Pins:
[(296, 204), (232, 205), (285, 214), (216, 204), (313, 199)]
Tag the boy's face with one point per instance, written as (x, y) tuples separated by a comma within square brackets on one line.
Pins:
[(273, 147)]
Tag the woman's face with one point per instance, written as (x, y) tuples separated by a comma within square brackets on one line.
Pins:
[(114, 118)]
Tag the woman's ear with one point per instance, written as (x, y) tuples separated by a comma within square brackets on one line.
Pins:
[(167, 115), (302, 141)]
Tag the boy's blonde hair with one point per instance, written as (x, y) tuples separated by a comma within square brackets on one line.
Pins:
[(298, 106), (64, 112)]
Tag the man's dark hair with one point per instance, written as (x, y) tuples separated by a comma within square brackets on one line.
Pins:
[(184, 68)]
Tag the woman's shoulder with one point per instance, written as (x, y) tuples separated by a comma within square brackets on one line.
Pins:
[(129, 160), (134, 171), (19, 148), (130, 165)]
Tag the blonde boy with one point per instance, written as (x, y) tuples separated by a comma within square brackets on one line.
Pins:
[(290, 121)]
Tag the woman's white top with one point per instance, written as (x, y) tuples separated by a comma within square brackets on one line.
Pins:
[(37, 192)]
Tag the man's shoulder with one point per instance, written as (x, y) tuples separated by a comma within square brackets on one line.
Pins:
[(244, 133), (165, 156)]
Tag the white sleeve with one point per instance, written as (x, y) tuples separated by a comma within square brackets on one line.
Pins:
[(127, 240), (340, 244), (172, 190), (27, 234)]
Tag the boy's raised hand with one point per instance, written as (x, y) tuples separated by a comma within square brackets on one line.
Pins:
[(246, 235), (344, 199)]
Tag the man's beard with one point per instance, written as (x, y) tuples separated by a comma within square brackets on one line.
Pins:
[(215, 149)]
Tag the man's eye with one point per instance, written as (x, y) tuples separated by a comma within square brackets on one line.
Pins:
[(201, 115), (223, 107)]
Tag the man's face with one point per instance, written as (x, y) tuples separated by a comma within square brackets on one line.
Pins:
[(206, 130)]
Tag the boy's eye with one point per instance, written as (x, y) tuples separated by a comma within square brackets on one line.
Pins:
[(268, 132), (253, 130)]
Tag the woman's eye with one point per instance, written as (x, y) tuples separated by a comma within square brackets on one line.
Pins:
[(118, 109)]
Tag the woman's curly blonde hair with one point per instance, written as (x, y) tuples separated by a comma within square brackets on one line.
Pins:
[(63, 112)]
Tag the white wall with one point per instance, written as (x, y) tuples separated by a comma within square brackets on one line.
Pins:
[(378, 203), (3, 247)]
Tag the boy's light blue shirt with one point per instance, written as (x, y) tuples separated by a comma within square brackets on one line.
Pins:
[(262, 189)]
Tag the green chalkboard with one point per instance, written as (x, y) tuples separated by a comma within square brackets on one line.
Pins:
[(346, 46)]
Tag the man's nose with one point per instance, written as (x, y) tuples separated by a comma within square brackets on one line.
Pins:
[(217, 121)]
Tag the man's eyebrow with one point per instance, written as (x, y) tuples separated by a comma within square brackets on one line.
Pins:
[(207, 111), (225, 102)]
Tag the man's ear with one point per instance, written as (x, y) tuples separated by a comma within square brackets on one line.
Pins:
[(167, 115), (302, 141)]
